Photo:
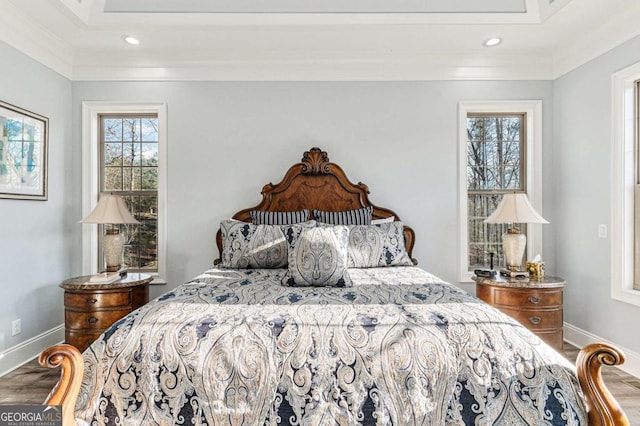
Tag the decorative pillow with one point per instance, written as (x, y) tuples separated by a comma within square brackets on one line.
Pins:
[(346, 217), (384, 220), (318, 257), (372, 246), (259, 217), (246, 245)]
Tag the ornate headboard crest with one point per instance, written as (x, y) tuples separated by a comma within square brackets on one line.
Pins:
[(316, 183), (315, 162)]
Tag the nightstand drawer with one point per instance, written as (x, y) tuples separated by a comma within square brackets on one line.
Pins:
[(536, 319), (552, 337), (84, 301), (81, 339), (93, 320), (528, 298)]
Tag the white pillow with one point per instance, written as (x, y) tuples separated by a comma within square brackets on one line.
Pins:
[(385, 220)]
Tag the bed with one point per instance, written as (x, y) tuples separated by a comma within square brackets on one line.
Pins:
[(331, 324)]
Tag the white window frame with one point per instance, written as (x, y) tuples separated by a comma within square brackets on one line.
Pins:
[(533, 111), (623, 179), (91, 173)]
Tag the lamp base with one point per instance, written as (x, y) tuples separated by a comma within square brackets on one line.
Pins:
[(513, 245), (113, 245)]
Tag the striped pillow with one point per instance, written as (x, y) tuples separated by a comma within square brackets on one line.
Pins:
[(259, 217), (346, 217)]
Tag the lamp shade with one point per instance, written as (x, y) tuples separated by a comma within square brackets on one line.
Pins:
[(110, 209), (515, 208)]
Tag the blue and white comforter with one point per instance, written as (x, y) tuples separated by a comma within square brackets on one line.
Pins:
[(400, 347)]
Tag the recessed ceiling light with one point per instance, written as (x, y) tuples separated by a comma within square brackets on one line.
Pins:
[(131, 40), (494, 41)]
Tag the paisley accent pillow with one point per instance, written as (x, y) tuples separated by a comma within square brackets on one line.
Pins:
[(372, 246), (245, 245), (318, 257)]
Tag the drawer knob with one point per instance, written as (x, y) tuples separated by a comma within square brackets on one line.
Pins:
[(92, 300), (535, 320), (533, 299), (92, 320)]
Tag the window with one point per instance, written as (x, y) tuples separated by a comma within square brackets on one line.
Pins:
[(129, 168), (636, 192), (625, 256), (124, 153), (495, 166), (499, 152)]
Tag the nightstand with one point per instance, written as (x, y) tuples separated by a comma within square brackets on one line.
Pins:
[(91, 308), (535, 302)]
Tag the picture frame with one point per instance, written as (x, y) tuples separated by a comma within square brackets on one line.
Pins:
[(24, 143)]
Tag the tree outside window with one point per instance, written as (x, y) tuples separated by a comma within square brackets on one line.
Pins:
[(129, 168), (495, 166)]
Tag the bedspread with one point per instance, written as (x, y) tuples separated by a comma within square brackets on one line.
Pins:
[(400, 347)]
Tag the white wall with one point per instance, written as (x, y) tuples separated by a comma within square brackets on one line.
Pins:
[(582, 197), (226, 140), (35, 248)]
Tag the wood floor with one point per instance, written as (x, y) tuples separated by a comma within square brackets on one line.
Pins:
[(30, 384)]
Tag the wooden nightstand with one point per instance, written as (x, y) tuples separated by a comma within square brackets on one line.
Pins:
[(91, 308), (536, 303)]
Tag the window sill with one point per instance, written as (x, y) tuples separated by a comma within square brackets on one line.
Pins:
[(158, 280), (626, 295), (466, 278)]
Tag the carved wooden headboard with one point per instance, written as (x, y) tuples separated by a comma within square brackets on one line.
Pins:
[(316, 183)]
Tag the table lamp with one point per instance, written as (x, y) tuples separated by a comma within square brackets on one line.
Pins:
[(514, 208), (111, 209)]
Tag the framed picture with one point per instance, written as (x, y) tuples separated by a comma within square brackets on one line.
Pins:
[(24, 137)]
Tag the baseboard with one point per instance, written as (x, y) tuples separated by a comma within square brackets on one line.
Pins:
[(578, 337), (24, 352)]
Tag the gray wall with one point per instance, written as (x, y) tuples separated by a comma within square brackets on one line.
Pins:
[(226, 140), (582, 196), (35, 248)]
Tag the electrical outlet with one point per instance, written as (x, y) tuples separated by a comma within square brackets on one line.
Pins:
[(602, 231), (16, 327)]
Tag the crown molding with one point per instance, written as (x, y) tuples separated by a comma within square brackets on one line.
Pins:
[(408, 67), (23, 34), (595, 42)]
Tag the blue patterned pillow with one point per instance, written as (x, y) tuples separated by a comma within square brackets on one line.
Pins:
[(259, 217), (346, 217), (318, 257), (377, 245), (246, 245)]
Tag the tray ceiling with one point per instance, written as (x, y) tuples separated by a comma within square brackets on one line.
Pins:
[(315, 6), (305, 40)]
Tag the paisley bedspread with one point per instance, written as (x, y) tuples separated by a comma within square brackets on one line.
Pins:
[(400, 347)]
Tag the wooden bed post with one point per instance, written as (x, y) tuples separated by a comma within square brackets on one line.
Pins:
[(603, 409), (65, 393)]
